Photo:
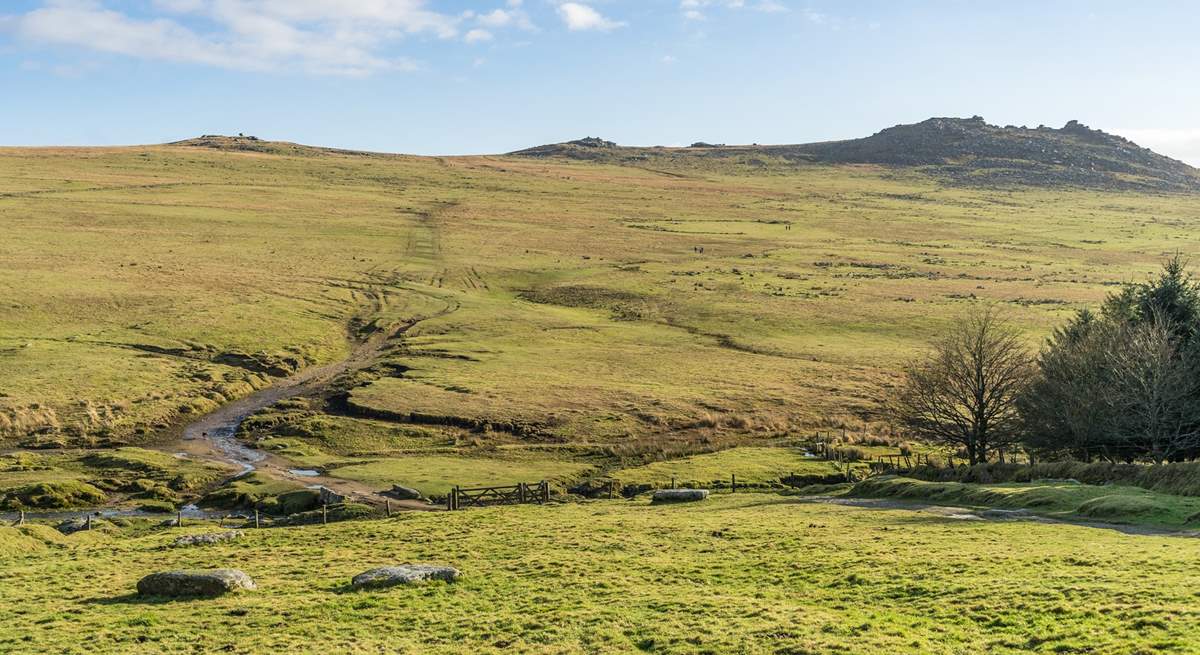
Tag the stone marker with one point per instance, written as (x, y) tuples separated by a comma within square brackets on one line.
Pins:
[(207, 538), (406, 574), (405, 493), (679, 495), (194, 583)]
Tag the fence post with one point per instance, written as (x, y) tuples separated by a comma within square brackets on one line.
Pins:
[(733, 483), (88, 523), (611, 484), (178, 520), (672, 482), (545, 491), (21, 518), (521, 493), (387, 507), (257, 520), (324, 513)]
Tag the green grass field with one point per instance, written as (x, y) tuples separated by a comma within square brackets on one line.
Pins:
[(752, 573)]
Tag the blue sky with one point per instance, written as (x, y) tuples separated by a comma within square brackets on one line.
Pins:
[(455, 77)]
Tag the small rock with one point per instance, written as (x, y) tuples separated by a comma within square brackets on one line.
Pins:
[(679, 495), (407, 574), (405, 493), (71, 526), (195, 583), (207, 538)]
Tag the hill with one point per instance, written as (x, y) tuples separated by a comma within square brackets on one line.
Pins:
[(529, 317), (957, 150)]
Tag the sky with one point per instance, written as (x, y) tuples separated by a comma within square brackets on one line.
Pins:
[(488, 76)]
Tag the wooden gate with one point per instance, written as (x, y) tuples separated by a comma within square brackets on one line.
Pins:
[(519, 494)]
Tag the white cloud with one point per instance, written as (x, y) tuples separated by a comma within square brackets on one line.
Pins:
[(580, 17), (335, 37), (477, 35), (815, 17), (1182, 144), (514, 16), (772, 7), (692, 8)]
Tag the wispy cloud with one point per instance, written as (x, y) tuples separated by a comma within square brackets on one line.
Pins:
[(579, 17), (694, 9), (342, 37)]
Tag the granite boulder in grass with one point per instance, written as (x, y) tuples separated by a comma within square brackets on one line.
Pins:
[(678, 495), (207, 584), (389, 576)]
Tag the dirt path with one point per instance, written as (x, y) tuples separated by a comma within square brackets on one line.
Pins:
[(214, 435)]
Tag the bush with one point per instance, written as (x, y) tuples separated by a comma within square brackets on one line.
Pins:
[(850, 454)]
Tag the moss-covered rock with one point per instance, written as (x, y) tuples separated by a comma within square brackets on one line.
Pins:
[(62, 494)]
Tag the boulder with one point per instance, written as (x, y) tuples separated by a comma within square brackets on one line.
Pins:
[(207, 538), (71, 526), (195, 583), (679, 495), (388, 576), (405, 493), (328, 496)]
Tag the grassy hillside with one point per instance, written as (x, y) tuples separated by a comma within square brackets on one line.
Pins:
[(751, 573), (655, 307), (148, 283)]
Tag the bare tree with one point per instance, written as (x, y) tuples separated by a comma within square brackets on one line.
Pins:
[(964, 392)]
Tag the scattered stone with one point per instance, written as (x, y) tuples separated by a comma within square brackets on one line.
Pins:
[(679, 495), (195, 583), (405, 493), (328, 496), (207, 538), (388, 576)]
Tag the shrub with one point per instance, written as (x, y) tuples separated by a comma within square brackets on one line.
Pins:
[(850, 453)]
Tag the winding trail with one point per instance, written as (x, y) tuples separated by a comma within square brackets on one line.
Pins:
[(214, 435)]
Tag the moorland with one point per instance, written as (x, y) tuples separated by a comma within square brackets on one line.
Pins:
[(588, 314)]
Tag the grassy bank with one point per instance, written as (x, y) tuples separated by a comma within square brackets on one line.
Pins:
[(754, 573), (1060, 499), (1180, 479)]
